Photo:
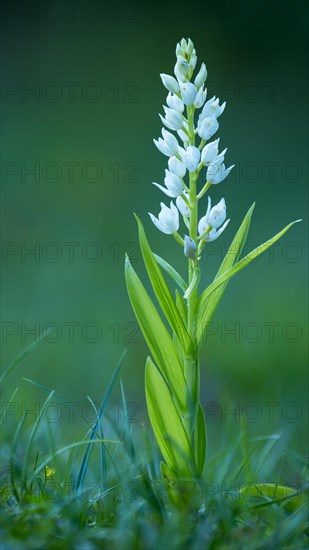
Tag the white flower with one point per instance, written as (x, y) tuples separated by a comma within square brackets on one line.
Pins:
[(190, 157), (207, 127), (216, 171), (190, 47), (220, 158), (216, 215), (201, 76), (181, 68), (182, 205), (212, 108), (170, 83), (210, 152), (202, 226), (215, 233), (176, 167), (168, 219), (212, 220), (174, 102), (173, 185), (188, 92), (179, 49), (183, 47), (168, 145), (182, 134), (189, 247), (193, 60), (200, 98), (173, 120)]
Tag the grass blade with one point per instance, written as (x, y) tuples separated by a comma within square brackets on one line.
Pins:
[(156, 335), (85, 460), (162, 291)]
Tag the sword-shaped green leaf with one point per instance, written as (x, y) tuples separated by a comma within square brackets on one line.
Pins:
[(200, 441), (171, 271), (156, 335), (230, 258), (162, 291), (166, 422), (201, 307)]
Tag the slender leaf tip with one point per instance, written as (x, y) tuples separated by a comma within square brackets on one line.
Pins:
[(127, 260), (137, 218)]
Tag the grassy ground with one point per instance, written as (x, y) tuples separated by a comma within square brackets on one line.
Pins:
[(101, 488)]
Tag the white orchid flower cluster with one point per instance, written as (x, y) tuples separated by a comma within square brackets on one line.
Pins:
[(184, 98)]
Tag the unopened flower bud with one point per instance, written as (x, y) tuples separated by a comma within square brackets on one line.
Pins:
[(170, 83), (188, 92), (176, 167), (190, 47), (189, 248), (174, 102), (193, 60), (200, 97), (182, 65), (201, 76), (210, 151), (182, 205)]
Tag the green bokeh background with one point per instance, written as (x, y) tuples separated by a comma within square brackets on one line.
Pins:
[(256, 59)]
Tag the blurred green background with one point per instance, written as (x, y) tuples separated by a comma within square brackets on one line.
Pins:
[(80, 99)]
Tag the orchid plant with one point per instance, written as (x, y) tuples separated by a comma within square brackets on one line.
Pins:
[(172, 377)]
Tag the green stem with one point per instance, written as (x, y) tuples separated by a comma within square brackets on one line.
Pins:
[(178, 238), (191, 360), (204, 190)]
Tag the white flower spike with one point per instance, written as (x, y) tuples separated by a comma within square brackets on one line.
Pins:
[(179, 386)]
